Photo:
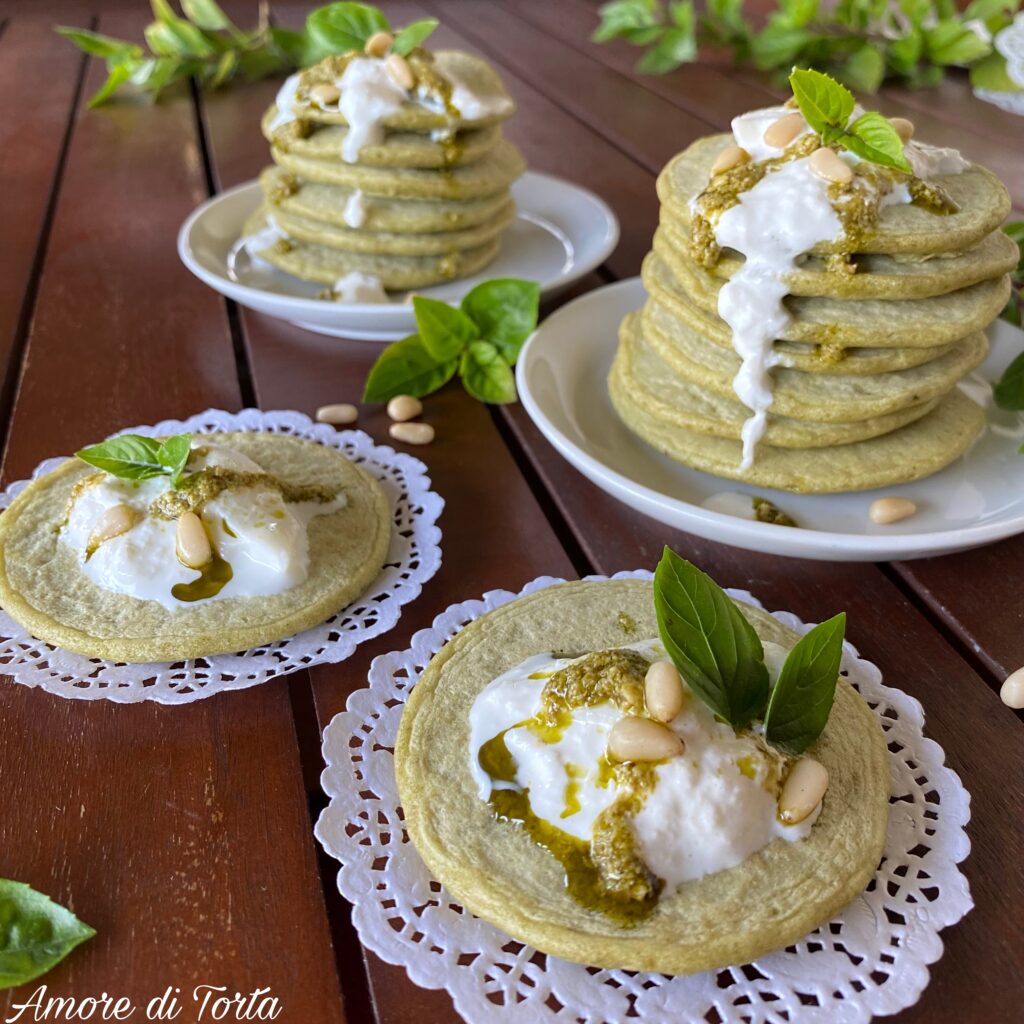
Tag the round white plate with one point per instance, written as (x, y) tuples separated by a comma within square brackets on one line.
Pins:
[(560, 233), (561, 377)]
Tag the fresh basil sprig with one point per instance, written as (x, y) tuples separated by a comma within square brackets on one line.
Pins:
[(719, 655), (860, 42), (1009, 392), (35, 933), (802, 697), (1014, 311), (480, 340), (204, 44), (827, 107), (135, 457)]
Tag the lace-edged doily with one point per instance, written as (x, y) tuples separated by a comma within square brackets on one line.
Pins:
[(1010, 43), (872, 959), (414, 556)]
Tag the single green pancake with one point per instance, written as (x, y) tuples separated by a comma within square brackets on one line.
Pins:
[(494, 866), (49, 585)]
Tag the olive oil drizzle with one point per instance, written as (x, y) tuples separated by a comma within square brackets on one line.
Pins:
[(214, 576)]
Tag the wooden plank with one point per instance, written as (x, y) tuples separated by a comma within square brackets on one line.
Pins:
[(180, 833), (34, 62)]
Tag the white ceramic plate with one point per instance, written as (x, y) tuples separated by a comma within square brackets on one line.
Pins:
[(561, 376), (560, 233)]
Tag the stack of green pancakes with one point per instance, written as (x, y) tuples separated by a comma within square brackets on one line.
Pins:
[(882, 328), (423, 195)]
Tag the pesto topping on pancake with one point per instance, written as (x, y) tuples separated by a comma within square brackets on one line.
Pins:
[(616, 675), (766, 512)]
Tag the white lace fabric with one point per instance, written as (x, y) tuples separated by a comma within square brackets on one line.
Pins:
[(871, 960), (413, 558)]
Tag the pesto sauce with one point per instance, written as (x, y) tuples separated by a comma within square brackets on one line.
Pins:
[(214, 576), (616, 675), (766, 512)]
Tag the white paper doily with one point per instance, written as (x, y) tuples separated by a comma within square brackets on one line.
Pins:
[(872, 959), (1010, 43), (414, 556)]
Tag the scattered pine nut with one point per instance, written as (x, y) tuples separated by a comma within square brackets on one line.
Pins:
[(192, 541), (337, 415), (827, 164), (891, 510), (1012, 691), (663, 691), (378, 44), (325, 94), (642, 739), (802, 791), (112, 523), (401, 74), (781, 133), (412, 433), (904, 128), (404, 407), (730, 157)]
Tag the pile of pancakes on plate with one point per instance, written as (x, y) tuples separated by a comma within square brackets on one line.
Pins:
[(424, 205), (882, 330)]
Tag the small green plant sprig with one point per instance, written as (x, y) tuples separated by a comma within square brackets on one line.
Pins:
[(861, 42), (202, 43), (135, 457), (35, 933), (480, 341), (721, 658), (1009, 391)]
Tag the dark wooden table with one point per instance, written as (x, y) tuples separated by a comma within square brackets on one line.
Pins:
[(184, 834)]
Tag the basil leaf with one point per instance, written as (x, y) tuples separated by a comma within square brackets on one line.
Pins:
[(413, 35), (676, 46), (345, 26), (865, 69), (173, 454), (130, 456), (97, 45), (486, 375), (35, 933), (821, 99), (620, 17), (952, 42), (206, 14), (1009, 392), (802, 697), (505, 311), (407, 368), (444, 330), (117, 76), (872, 137), (715, 649)]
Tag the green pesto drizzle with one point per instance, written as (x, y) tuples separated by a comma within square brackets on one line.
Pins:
[(214, 576)]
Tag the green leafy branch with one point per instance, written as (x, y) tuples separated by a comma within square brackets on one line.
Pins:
[(860, 42), (480, 341), (202, 43)]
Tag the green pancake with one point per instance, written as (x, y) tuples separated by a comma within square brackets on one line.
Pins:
[(327, 203), (361, 240), (772, 899), (43, 588), (653, 384), (910, 453), (487, 176), (833, 398), (325, 265), (876, 277), (399, 149), (983, 200), (868, 323), (480, 78)]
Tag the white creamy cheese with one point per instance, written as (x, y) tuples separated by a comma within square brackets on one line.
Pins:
[(472, 106), (253, 529), (368, 95), (358, 287), (709, 809), (286, 101), (748, 131), (355, 209), (264, 239), (783, 216), (928, 161)]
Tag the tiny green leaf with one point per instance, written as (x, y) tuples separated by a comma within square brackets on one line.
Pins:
[(865, 69), (505, 313), (1009, 392), (116, 77), (345, 26), (952, 42), (35, 933), (443, 330), (407, 368), (486, 375), (135, 457), (97, 45), (802, 697), (822, 100), (206, 14), (872, 137), (413, 35), (715, 649), (173, 454), (675, 46)]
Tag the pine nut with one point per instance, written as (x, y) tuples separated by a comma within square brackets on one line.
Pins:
[(891, 510), (112, 523), (904, 128), (779, 134), (404, 407), (378, 44), (401, 74), (1012, 691), (192, 542), (412, 433), (641, 739), (730, 157), (663, 691), (337, 414), (827, 164), (802, 791), (325, 95)]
